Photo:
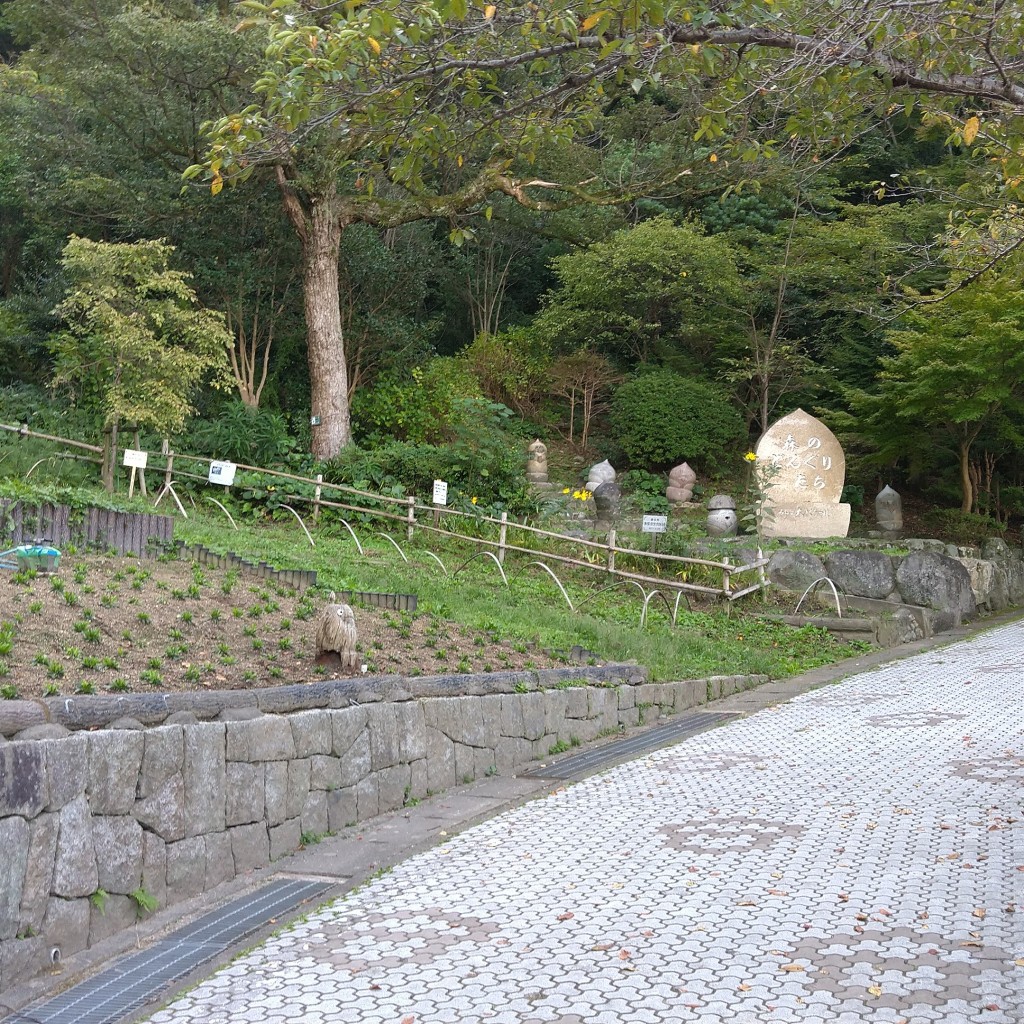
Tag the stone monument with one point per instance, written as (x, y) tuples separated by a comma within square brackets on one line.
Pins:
[(889, 510), (680, 484), (801, 468), (601, 473), (537, 466)]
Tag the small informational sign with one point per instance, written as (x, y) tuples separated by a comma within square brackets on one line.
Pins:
[(135, 458), (222, 473), (440, 492), (655, 524), (314, 421)]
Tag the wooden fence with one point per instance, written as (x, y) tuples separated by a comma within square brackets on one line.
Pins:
[(137, 533), (412, 515)]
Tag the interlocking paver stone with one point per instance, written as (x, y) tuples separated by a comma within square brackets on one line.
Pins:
[(849, 856)]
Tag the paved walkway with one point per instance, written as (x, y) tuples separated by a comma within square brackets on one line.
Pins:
[(852, 855)]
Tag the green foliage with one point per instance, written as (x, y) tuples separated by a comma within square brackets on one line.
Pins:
[(661, 417), (657, 292), (241, 433), (963, 528), (508, 368), (145, 901), (426, 405), (484, 464), (135, 345), (957, 371), (646, 491)]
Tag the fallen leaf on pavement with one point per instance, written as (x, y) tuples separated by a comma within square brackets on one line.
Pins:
[(567, 916), (874, 990), (792, 968)]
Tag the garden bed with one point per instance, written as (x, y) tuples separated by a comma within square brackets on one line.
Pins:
[(105, 624)]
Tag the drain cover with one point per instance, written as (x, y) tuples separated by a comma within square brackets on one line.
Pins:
[(136, 980), (589, 761)]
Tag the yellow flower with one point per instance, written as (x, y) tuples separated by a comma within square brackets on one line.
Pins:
[(578, 495), (750, 457), (565, 490), (472, 500)]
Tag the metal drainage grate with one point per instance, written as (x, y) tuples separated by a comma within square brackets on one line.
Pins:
[(136, 980), (609, 754)]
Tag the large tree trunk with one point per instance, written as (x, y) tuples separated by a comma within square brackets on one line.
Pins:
[(316, 220), (328, 374)]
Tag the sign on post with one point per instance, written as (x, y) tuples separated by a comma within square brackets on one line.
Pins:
[(440, 492), (654, 524), (135, 459), (222, 473)]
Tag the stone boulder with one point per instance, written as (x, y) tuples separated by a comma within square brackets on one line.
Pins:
[(988, 583), (795, 570), (862, 573), (936, 581)]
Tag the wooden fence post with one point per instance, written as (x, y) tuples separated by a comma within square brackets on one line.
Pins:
[(142, 472), (411, 516), (726, 577), (316, 497), (611, 551), (502, 534)]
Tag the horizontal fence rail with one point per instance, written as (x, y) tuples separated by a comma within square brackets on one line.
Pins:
[(414, 515)]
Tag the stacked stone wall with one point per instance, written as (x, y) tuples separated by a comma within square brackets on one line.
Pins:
[(94, 824)]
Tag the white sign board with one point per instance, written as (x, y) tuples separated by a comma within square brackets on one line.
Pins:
[(135, 459), (222, 473), (655, 524), (440, 492)]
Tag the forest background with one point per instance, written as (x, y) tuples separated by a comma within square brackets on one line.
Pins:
[(393, 242)]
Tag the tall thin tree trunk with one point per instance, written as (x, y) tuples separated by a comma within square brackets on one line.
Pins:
[(965, 477)]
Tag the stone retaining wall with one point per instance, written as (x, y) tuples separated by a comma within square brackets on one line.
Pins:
[(89, 818), (949, 584)]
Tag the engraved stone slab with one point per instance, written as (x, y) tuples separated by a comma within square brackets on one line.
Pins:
[(804, 470)]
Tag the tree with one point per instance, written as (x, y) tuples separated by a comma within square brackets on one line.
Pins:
[(135, 345), (583, 379), (384, 112), (958, 369), (659, 292)]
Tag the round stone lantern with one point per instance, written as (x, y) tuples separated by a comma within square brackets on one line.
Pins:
[(722, 519)]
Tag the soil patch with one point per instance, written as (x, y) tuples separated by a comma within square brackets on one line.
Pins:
[(106, 624)]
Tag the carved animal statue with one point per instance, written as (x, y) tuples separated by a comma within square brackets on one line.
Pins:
[(336, 635)]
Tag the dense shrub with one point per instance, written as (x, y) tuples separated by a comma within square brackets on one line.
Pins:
[(239, 433), (660, 418), (963, 528), (508, 368), (424, 405), (480, 461)]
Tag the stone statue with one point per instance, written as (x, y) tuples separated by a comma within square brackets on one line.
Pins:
[(601, 473), (889, 510), (537, 465), (680, 484), (722, 519)]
